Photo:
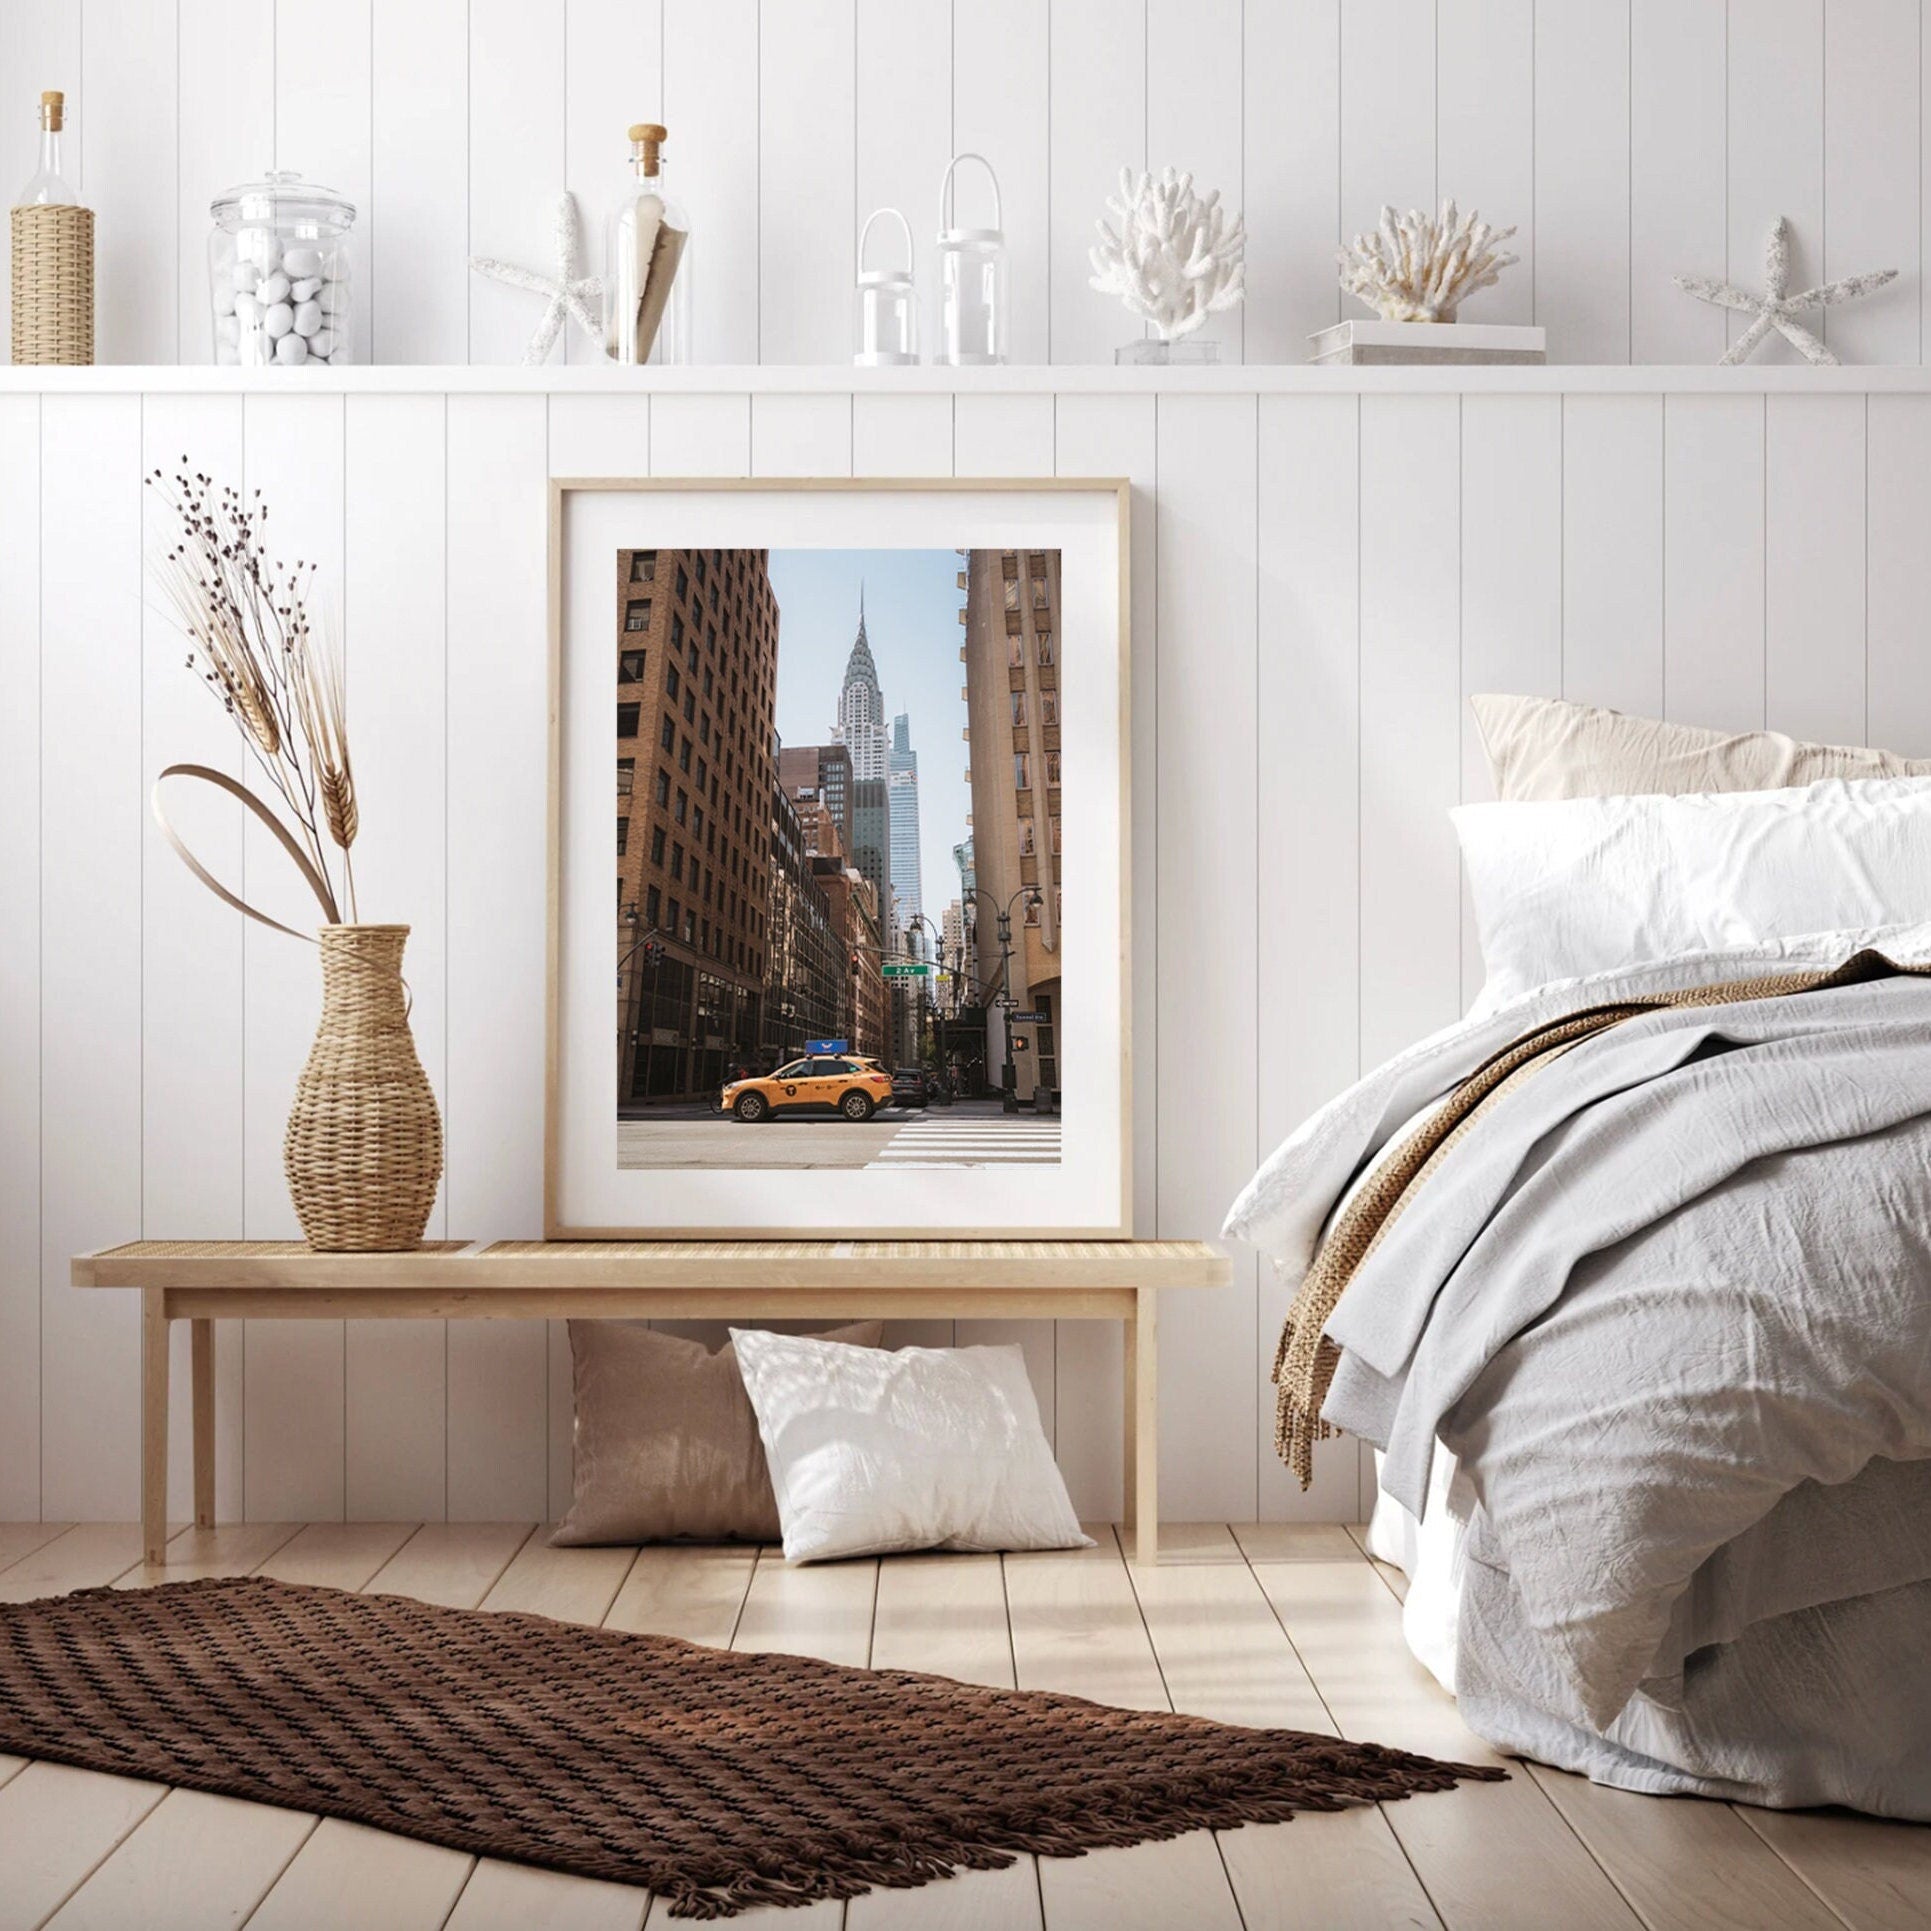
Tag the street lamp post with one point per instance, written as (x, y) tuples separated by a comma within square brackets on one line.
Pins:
[(1009, 1084)]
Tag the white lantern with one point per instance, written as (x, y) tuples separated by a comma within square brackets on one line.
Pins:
[(972, 278), (887, 305)]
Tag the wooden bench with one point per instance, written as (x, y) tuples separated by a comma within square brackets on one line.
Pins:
[(204, 1281)]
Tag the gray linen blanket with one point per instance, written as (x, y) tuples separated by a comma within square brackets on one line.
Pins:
[(1669, 1302)]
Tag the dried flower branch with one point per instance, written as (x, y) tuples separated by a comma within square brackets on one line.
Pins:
[(246, 619)]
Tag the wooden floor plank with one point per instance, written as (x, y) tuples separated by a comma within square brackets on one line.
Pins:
[(19, 1539), (947, 1614), (1875, 1875), (1223, 1654), (1686, 1865), (194, 1554), (816, 1609), (518, 1897), (688, 1591), (337, 1555), (83, 1557), (346, 1875), (195, 1862), (453, 1563), (57, 1826), (1076, 1628), (1346, 1627), (572, 1585)]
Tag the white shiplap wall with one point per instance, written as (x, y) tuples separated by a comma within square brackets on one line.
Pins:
[(1324, 567), (1628, 140)]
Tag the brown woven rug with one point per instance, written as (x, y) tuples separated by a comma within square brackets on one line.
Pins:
[(720, 1781)]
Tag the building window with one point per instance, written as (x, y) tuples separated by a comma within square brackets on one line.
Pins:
[(663, 787), (1049, 707), (623, 836), (637, 614), (1040, 599), (1032, 909), (643, 566), (627, 720), (630, 667), (683, 585), (1016, 651), (690, 926), (1052, 767), (677, 864), (626, 776), (684, 756), (667, 736), (1027, 843), (683, 807), (1012, 593), (1021, 777), (672, 683), (676, 915), (690, 707), (1044, 638), (1019, 710), (653, 904), (676, 632), (657, 843), (1055, 835)]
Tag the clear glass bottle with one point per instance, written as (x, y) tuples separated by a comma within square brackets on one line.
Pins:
[(279, 284), (647, 262), (47, 189)]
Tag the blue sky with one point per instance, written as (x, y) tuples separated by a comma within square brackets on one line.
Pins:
[(912, 602)]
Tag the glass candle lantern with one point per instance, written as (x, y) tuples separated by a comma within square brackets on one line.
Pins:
[(278, 274), (887, 335), (972, 278)]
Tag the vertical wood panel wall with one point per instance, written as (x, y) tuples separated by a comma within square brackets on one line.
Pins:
[(1320, 580), (1627, 140)]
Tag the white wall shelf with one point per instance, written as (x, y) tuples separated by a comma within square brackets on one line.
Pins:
[(1231, 379)]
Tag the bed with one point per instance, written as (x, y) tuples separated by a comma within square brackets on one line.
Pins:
[(1627, 1275)]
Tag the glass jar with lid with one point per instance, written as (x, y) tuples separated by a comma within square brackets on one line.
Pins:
[(278, 274)]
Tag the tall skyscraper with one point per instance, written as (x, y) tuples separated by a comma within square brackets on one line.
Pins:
[(902, 789), (861, 708)]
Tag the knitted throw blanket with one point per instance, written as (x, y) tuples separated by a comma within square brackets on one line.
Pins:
[(1305, 1360)]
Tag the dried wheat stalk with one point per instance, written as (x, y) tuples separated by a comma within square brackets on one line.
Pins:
[(246, 619)]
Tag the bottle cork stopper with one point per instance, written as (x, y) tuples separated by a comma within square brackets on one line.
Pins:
[(52, 104), (648, 136)]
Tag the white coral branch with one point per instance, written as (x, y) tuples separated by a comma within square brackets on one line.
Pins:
[(1174, 259), (1422, 268)]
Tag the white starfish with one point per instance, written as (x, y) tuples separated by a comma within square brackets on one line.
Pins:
[(1777, 309), (570, 292)]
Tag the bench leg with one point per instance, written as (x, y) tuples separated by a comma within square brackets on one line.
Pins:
[(1143, 1428), (202, 1353), (154, 1425)]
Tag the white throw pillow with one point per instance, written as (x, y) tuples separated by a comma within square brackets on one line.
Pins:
[(1588, 884), (873, 1451)]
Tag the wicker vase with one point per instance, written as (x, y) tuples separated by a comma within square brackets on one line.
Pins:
[(364, 1147)]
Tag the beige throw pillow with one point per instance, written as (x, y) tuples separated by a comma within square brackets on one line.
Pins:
[(1544, 747), (666, 1444)]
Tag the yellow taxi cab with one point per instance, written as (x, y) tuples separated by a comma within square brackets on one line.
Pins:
[(848, 1084)]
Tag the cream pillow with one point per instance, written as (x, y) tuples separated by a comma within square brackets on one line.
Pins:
[(666, 1446), (1545, 747), (872, 1452)]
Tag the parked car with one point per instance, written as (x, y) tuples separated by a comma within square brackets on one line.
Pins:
[(911, 1087), (852, 1088)]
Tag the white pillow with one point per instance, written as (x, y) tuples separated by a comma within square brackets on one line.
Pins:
[(873, 1451), (1589, 884)]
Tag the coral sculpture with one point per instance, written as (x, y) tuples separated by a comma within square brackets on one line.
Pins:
[(1422, 268), (1776, 308), (1175, 259)]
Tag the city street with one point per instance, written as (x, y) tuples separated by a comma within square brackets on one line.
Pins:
[(971, 1133)]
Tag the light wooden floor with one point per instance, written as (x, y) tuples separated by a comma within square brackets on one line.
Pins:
[(1269, 1625)]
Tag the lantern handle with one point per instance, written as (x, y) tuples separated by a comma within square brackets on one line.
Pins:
[(946, 188), (865, 234)]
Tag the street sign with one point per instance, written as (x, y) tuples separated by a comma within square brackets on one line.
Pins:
[(907, 969), (1026, 1018), (817, 1048)]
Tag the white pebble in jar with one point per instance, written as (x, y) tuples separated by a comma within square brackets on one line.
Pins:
[(334, 298), (246, 277), (306, 289), (247, 311), (308, 318), (322, 343), (274, 288), (302, 262), (291, 349), (279, 320)]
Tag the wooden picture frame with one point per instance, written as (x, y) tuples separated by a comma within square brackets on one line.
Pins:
[(1086, 1191)]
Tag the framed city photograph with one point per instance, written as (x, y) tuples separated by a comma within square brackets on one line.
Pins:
[(855, 757)]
